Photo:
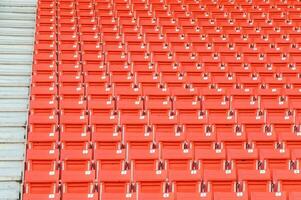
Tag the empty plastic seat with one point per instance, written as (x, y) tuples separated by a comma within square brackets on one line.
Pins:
[(79, 190), (255, 180), (230, 195), (268, 195), (220, 180), (116, 190)]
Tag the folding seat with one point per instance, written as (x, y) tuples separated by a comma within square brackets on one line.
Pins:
[(135, 126), (167, 68), (226, 81), (210, 157), (66, 19), (43, 116), (143, 150), (197, 80), (183, 49), (255, 180), (190, 190), (122, 79), (44, 24), (75, 115), (213, 65), (77, 170), (41, 191), (183, 169), (109, 150), (164, 124), (38, 66), (151, 29), (106, 19), (230, 196), (193, 69), (73, 91), (287, 180), (39, 150), (97, 86), (289, 134), (116, 56), (252, 81), (295, 81), (270, 96), (93, 60), (66, 77), (157, 98), (101, 108), (176, 150), (242, 99), (75, 189), (173, 80), (113, 46), (92, 67), (194, 128), (231, 135), (288, 70), (136, 55), (200, 43), (264, 135), (214, 99), (128, 24), (110, 34), (71, 44), (278, 81), (102, 118), (41, 169), (260, 67), (242, 71), (249, 115), (146, 167), (275, 158), (44, 77), (221, 180), (128, 98), (90, 39), (279, 117), (239, 40), (153, 190), (87, 28), (75, 129), (162, 56), (45, 46), (143, 18), (146, 78), (45, 32), (113, 170), (75, 150), (185, 99), (138, 50), (68, 39), (45, 56), (87, 20), (221, 117), (69, 65), (268, 195), (45, 131), (111, 190), (222, 41), (243, 158), (85, 11)]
